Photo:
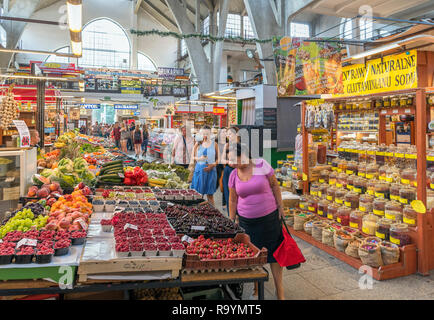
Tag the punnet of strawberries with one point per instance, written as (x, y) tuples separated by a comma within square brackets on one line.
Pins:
[(63, 243), (78, 234), (44, 244), (44, 251), (6, 251), (164, 246), (25, 250)]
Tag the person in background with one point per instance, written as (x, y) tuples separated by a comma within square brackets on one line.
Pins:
[(205, 173), (231, 140), (221, 143), (130, 139), (125, 133), (34, 138), (254, 195), (83, 129), (182, 148), (145, 135), (137, 138), (299, 143), (117, 135)]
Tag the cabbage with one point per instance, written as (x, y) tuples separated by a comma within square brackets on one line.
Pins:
[(46, 173)]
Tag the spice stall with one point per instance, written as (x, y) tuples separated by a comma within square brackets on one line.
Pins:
[(367, 196)]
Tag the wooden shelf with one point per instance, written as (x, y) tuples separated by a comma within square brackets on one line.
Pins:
[(406, 265)]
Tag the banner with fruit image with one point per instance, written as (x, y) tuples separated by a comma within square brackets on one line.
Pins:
[(307, 67)]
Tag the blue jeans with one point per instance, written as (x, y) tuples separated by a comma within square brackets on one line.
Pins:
[(226, 173), (145, 146)]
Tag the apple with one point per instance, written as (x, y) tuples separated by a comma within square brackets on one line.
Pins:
[(51, 225), (64, 223), (42, 193), (54, 186)]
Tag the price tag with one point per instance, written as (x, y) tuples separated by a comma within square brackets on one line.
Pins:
[(410, 156), (363, 209), (319, 194), (395, 111), (369, 176), (431, 185), (405, 181), (340, 149), (383, 112), (348, 204), (278, 162), (301, 206), (389, 179), (131, 226), (409, 221), (430, 158), (321, 181), (349, 172), (339, 220), (392, 197), (314, 193), (407, 111), (334, 169), (378, 212), (330, 216), (187, 238), (320, 212), (418, 206), (371, 153), (395, 241), (184, 215), (382, 178), (370, 192), (390, 216), (332, 182), (82, 223), (399, 155), (284, 184), (350, 187), (380, 235), (388, 154), (339, 201), (330, 198), (311, 209), (379, 153), (198, 228), (294, 168), (27, 242), (379, 195), (365, 230), (361, 174), (339, 185), (354, 225), (304, 177), (121, 175), (339, 170), (403, 200), (358, 190)]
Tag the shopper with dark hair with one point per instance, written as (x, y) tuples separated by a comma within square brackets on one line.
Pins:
[(205, 174), (231, 140), (137, 139), (145, 135), (254, 195)]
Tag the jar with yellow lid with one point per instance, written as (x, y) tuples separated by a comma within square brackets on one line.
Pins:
[(409, 216), (340, 195), (343, 216), (342, 166), (351, 200), (394, 101), (380, 154), (407, 195), (379, 206), (322, 192), (366, 203), (394, 191), (392, 174), (386, 102), (314, 188), (383, 229), (313, 204), (341, 181), (332, 211), (382, 190), (359, 185), (331, 192), (350, 182), (361, 170), (323, 208), (356, 217), (332, 178), (409, 177), (372, 171), (393, 206), (393, 216), (370, 187), (324, 176), (369, 224), (399, 234)]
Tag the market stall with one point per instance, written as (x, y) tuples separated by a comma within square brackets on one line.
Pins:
[(366, 191)]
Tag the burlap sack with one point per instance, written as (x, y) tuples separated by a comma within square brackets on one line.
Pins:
[(341, 239), (352, 231), (353, 248), (327, 236), (371, 256), (299, 221), (289, 219), (317, 227), (308, 227), (389, 252)]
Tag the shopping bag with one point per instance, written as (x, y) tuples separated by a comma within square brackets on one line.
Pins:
[(288, 254), (191, 167)]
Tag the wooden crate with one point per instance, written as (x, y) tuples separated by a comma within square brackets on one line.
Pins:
[(129, 265)]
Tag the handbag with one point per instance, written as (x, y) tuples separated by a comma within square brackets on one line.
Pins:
[(288, 254)]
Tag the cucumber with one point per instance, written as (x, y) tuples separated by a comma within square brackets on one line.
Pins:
[(116, 162), (108, 169)]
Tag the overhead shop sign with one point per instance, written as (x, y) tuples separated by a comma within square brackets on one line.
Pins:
[(219, 110), (170, 73), (126, 106), (131, 87), (90, 106), (394, 72), (307, 67)]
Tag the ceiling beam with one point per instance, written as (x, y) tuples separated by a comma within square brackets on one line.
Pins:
[(209, 5), (160, 16), (318, 3), (189, 8), (343, 6), (138, 3)]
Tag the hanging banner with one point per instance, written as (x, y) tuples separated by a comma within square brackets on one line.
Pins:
[(24, 132), (131, 87), (394, 72), (307, 67), (126, 106)]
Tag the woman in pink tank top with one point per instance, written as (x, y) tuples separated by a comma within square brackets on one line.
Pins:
[(254, 195)]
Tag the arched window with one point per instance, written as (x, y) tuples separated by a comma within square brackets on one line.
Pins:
[(54, 58), (145, 63), (346, 28), (105, 44)]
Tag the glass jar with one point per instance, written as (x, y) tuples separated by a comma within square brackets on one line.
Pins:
[(382, 190), (331, 192), (322, 192), (350, 182), (399, 234), (351, 200), (314, 188), (343, 216), (380, 154), (369, 224), (352, 167), (335, 161), (303, 204), (324, 176), (372, 171), (407, 195), (361, 170), (332, 211), (322, 208), (321, 156), (394, 191), (394, 101), (332, 178), (356, 217), (370, 153), (313, 204), (342, 166), (341, 181), (386, 102), (392, 174), (408, 177), (383, 229), (403, 101), (370, 187), (382, 173), (393, 206), (409, 216), (394, 216), (340, 195), (359, 185), (379, 206), (366, 203)]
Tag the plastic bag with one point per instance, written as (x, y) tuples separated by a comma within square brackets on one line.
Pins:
[(370, 254), (389, 252)]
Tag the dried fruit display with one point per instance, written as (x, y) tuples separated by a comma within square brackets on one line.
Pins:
[(8, 109)]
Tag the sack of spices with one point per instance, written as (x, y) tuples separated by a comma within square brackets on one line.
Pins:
[(327, 236), (389, 252), (372, 240), (299, 221), (352, 231), (308, 227), (317, 227), (341, 239), (353, 248), (370, 254), (289, 218)]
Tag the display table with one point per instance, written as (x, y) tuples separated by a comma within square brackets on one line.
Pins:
[(12, 288)]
